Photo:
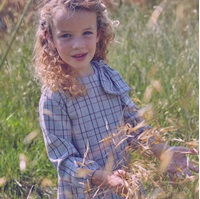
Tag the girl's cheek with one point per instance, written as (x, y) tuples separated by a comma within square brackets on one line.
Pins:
[(63, 44)]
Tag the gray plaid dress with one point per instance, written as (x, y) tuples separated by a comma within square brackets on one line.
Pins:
[(81, 132)]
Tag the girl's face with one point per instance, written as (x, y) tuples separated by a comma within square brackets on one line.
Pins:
[(75, 38)]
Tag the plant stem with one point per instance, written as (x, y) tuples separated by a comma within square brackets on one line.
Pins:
[(15, 32)]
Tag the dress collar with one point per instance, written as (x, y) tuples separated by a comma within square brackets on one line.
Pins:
[(110, 79)]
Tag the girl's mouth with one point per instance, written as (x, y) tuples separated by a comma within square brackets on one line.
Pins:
[(80, 57)]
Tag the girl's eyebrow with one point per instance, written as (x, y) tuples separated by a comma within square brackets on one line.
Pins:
[(68, 31), (89, 28), (64, 31)]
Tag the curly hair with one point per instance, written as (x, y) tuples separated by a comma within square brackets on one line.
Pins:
[(50, 69)]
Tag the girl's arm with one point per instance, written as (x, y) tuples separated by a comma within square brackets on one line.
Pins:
[(57, 133), (179, 161), (131, 116)]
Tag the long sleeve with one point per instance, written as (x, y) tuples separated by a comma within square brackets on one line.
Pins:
[(131, 116), (58, 137)]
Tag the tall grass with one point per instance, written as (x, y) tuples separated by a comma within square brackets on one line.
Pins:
[(168, 54), (19, 97)]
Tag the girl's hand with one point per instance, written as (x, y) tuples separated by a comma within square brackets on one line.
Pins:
[(180, 164), (117, 181), (113, 180), (129, 182)]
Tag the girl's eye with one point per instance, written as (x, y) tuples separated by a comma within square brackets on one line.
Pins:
[(66, 35), (87, 33)]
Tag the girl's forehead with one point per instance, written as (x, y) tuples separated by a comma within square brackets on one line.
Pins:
[(64, 14), (60, 12)]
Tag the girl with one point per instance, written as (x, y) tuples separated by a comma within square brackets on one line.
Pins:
[(84, 102)]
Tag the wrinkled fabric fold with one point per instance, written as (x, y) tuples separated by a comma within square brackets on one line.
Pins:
[(110, 79)]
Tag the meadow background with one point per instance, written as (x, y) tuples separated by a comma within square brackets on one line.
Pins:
[(157, 56)]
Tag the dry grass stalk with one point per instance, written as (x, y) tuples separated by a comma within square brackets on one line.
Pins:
[(141, 171), (152, 23), (15, 32), (117, 3)]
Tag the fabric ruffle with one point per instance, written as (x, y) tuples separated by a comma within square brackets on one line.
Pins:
[(110, 79)]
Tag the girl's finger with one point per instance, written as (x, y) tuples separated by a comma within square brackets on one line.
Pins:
[(185, 150), (193, 168), (120, 173), (186, 172), (171, 176), (180, 175), (194, 151)]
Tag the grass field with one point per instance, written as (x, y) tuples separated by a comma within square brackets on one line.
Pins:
[(161, 67)]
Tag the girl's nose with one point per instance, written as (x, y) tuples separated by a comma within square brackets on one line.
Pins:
[(78, 43)]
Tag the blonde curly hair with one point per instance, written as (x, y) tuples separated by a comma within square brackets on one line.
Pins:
[(50, 69)]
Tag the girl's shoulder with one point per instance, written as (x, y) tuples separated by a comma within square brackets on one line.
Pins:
[(111, 81), (58, 96)]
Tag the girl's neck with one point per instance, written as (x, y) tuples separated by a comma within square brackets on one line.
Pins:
[(86, 73)]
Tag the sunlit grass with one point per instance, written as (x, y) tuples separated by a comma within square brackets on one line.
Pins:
[(169, 56), (166, 57)]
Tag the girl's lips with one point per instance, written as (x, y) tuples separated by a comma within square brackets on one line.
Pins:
[(79, 57)]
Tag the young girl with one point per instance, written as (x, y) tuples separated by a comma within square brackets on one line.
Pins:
[(84, 102)]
